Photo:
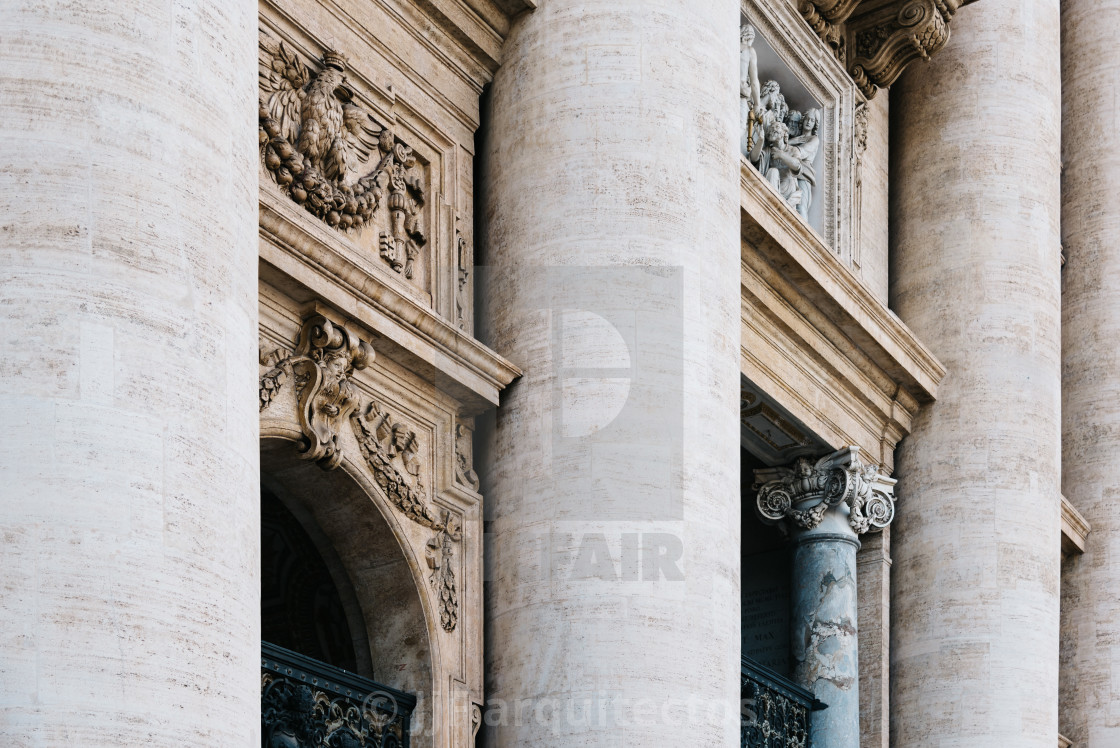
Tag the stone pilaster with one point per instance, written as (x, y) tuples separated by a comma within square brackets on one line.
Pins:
[(826, 505), (129, 493), (611, 235), (1089, 704), (975, 274)]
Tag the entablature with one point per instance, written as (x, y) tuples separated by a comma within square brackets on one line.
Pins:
[(816, 339)]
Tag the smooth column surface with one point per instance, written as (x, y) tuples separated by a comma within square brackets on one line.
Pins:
[(975, 211), (611, 230), (1089, 708), (824, 629), (129, 606)]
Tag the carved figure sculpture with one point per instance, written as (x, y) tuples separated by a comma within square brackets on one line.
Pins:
[(804, 148), (333, 137), (750, 98), (781, 164), (784, 147)]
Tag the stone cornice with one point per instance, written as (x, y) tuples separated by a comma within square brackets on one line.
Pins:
[(817, 340), (1075, 529), (800, 494), (406, 331)]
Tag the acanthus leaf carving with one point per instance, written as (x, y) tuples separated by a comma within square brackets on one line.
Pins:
[(802, 493), (885, 41), (314, 141)]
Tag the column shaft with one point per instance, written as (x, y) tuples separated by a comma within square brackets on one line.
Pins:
[(824, 640), (1090, 700), (129, 614), (610, 229), (974, 615)]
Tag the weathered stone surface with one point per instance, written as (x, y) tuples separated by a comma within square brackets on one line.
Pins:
[(1089, 700), (129, 611), (974, 615), (612, 153)]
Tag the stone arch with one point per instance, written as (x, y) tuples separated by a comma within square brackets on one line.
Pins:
[(381, 563)]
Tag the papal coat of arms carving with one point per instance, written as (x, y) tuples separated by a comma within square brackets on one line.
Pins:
[(318, 144)]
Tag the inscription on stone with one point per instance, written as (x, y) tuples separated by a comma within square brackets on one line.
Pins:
[(766, 603)]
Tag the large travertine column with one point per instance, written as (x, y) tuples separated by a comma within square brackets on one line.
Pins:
[(129, 607), (1090, 699), (611, 231), (974, 616)]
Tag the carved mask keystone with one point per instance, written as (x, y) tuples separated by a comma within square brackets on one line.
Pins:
[(321, 366)]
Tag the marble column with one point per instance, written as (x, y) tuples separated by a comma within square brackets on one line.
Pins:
[(610, 228), (129, 608), (1089, 704), (975, 274), (826, 505)]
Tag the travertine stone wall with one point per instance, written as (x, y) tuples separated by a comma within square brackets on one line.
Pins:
[(1089, 706), (611, 231), (129, 610), (872, 182), (974, 618)]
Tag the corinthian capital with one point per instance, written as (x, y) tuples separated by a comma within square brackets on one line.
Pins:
[(801, 493)]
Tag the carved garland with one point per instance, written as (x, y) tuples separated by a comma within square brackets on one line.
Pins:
[(314, 140), (322, 365), (803, 492)]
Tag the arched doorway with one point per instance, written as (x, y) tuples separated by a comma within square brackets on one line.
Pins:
[(337, 589)]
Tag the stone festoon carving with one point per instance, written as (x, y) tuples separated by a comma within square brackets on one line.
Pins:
[(390, 449), (321, 366), (800, 494), (320, 146), (882, 41), (781, 142)]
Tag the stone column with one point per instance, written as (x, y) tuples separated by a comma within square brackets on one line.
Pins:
[(826, 505), (1089, 707), (129, 610), (975, 209), (611, 229)]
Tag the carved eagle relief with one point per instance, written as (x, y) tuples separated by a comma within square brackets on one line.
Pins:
[(315, 141)]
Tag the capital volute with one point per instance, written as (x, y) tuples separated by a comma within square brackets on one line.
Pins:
[(802, 493)]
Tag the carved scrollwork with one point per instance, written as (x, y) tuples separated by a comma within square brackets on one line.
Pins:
[(886, 41), (464, 473), (315, 141), (801, 494), (321, 366)]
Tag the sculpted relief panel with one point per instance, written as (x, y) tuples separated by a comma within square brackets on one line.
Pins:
[(331, 156)]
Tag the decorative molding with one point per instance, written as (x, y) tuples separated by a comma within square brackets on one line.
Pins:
[(801, 494), (315, 141), (322, 363), (464, 472), (884, 41), (463, 262)]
